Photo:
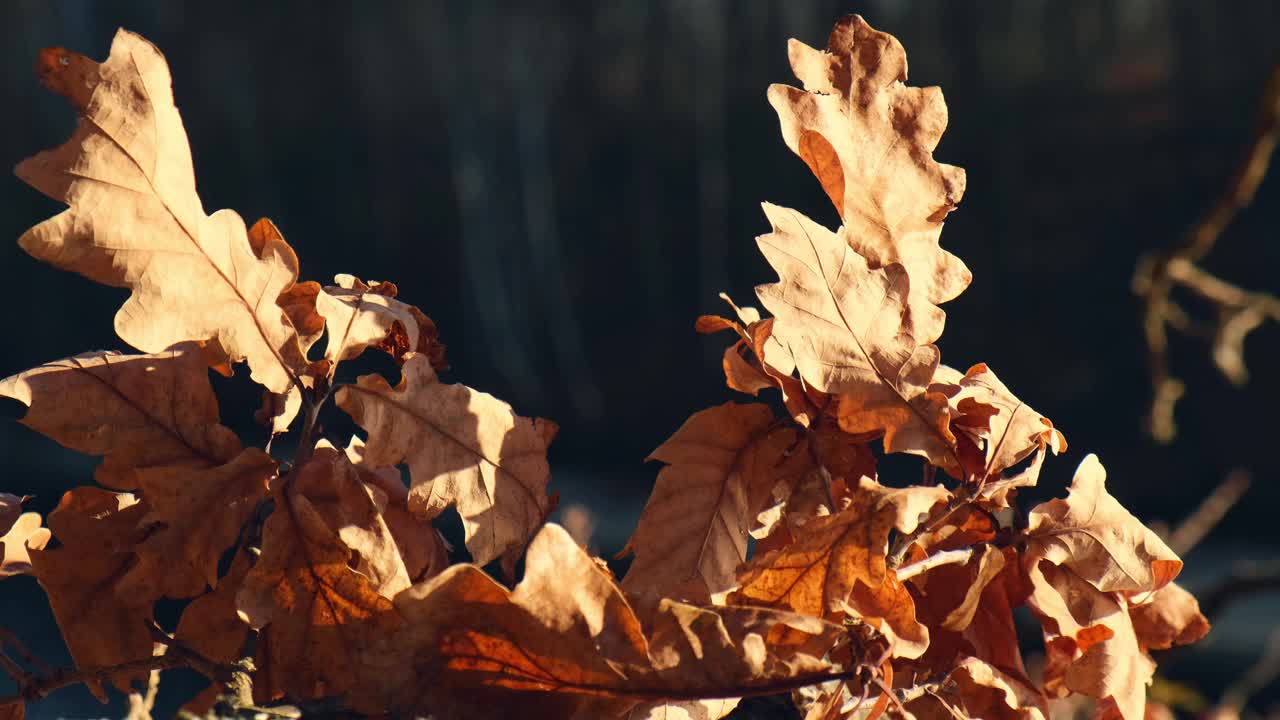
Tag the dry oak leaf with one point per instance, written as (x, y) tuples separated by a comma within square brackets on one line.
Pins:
[(838, 564), (1090, 642), (847, 326), (24, 532), (566, 643), (423, 550), (196, 514), (134, 219), (323, 582), (360, 315), (1091, 533), (140, 411), (212, 626), (1171, 618), (869, 139), (101, 609), (1007, 430), (464, 448), (984, 691), (693, 532)]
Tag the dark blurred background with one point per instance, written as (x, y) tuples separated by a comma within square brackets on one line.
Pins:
[(563, 187)]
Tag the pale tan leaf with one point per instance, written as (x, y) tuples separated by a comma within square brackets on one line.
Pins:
[(846, 324), (25, 532), (869, 139), (1091, 533), (692, 534), (984, 691), (360, 315), (134, 220), (140, 411), (463, 448)]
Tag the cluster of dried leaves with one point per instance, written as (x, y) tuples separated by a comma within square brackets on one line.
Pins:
[(769, 559)]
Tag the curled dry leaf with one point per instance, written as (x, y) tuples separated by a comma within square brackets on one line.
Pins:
[(869, 139), (139, 411), (100, 600), (1090, 642), (839, 564), (847, 326), (983, 691), (1005, 429), (323, 582), (134, 219), (566, 643), (463, 448), (692, 534), (1171, 618), (1091, 533), (360, 315)]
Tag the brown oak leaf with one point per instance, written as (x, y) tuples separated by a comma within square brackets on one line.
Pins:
[(869, 139), (319, 597), (692, 534), (1091, 533), (140, 411), (1171, 618), (196, 514), (1090, 642), (134, 219), (101, 610), (984, 691), (463, 448), (566, 643)]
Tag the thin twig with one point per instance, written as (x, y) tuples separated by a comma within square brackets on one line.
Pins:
[(948, 557), (1239, 310), (1210, 512), (38, 687), (959, 499)]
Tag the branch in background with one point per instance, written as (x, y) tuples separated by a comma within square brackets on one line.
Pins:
[(1210, 512), (31, 687), (1239, 311)]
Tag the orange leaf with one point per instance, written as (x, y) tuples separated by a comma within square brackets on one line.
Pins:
[(567, 643)]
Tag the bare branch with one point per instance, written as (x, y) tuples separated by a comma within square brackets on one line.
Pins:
[(1210, 513), (1240, 311), (948, 557)]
